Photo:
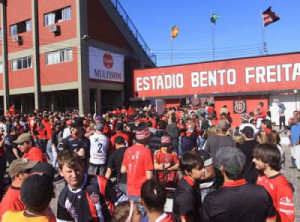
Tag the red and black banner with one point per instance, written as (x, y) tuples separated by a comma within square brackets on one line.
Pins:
[(269, 17), (239, 106)]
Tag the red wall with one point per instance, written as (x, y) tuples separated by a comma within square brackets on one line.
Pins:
[(20, 78), (68, 28), (172, 102), (251, 102), (18, 11), (60, 72), (102, 28)]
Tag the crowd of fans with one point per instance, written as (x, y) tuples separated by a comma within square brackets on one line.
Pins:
[(123, 165)]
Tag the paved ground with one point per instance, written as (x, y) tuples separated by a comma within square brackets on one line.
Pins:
[(291, 175)]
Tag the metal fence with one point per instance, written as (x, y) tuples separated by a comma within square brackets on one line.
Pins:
[(134, 30)]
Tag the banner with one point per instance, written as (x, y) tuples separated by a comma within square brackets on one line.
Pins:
[(266, 73), (239, 106), (105, 65)]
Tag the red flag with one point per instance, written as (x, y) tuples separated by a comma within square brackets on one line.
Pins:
[(269, 17)]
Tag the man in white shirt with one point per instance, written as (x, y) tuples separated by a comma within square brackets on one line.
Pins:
[(98, 152), (245, 122), (67, 130)]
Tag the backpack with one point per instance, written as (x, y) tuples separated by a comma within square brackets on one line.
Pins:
[(95, 201), (170, 178)]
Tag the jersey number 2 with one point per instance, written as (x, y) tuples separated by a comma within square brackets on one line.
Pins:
[(100, 148)]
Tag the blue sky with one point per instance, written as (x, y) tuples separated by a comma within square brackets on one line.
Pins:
[(238, 33)]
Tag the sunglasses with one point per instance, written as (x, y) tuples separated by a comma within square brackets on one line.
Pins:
[(25, 171), (23, 143)]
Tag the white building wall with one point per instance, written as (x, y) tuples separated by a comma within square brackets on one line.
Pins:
[(291, 103)]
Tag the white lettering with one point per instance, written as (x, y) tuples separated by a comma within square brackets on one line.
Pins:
[(271, 73), (212, 78), (195, 79), (248, 74), (179, 80), (146, 83), (153, 81), (160, 83), (260, 74), (296, 71), (139, 84), (168, 81), (221, 72), (174, 81), (231, 77), (278, 73), (287, 71), (203, 78)]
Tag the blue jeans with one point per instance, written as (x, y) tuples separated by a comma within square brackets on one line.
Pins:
[(137, 200), (49, 150), (200, 142), (179, 145), (54, 157)]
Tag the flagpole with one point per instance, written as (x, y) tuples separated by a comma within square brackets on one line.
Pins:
[(171, 46), (213, 37), (171, 51), (264, 44)]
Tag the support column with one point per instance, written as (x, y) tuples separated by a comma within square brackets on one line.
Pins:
[(84, 98), (5, 56), (36, 56), (82, 58)]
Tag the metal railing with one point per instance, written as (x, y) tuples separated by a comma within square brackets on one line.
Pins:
[(134, 30)]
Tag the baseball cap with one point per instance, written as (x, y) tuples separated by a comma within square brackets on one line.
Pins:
[(44, 168), (248, 131), (232, 159), (100, 127), (98, 118), (25, 137), (76, 122), (245, 116), (18, 165), (223, 125), (142, 133), (187, 144), (37, 191)]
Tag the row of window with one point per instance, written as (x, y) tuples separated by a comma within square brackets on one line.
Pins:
[(49, 19), (63, 55)]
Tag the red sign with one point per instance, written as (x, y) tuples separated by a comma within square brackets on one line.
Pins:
[(278, 72), (108, 60)]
